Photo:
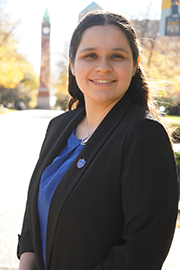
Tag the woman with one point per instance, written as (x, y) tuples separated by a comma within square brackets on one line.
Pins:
[(103, 195)]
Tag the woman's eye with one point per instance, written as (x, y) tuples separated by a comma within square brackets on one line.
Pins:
[(117, 56), (91, 55)]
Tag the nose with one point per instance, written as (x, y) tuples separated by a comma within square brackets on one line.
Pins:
[(103, 66)]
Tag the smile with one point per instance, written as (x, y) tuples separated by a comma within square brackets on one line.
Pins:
[(103, 81)]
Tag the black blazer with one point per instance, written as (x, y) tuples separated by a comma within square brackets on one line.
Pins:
[(117, 212)]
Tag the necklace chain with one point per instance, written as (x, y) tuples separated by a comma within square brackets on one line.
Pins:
[(87, 128)]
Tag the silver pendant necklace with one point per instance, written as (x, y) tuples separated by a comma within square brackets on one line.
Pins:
[(85, 140)]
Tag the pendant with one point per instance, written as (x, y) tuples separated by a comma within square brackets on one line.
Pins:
[(81, 163), (84, 141)]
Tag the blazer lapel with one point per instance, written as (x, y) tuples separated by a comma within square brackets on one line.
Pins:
[(67, 184), (59, 136)]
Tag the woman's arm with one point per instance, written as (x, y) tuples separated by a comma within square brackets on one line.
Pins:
[(27, 261), (149, 199)]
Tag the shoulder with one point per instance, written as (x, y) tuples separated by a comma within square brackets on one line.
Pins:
[(59, 124), (149, 129), (65, 116), (61, 121), (141, 124), (148, 138), (143, 130)]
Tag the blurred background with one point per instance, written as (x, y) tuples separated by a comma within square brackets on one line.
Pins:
[(28, 77), (20, 48)]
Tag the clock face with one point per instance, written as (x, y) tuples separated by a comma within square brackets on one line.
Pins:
[(46, 30)]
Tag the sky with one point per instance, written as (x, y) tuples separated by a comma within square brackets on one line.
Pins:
[(63, 18)]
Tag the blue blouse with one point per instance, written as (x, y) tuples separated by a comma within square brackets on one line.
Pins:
[(50, 179)]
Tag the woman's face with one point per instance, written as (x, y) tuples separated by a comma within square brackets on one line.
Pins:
[(103, 65)]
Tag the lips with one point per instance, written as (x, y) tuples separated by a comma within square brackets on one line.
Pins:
[(103, 81)]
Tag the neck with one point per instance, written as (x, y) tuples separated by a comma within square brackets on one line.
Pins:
[(95, 114)]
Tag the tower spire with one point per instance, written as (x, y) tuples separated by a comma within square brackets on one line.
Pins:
[(43, 101), (46, 17)]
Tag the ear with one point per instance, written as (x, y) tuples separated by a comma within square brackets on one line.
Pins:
[(71, 67)]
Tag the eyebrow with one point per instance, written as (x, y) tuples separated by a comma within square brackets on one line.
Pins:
[(95, 49), (120, 49)]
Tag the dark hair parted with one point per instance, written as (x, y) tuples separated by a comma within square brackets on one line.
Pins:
[(138, 88)]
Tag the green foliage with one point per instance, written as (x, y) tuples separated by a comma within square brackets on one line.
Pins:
[(26, 90), (174, 123), (177, 157)]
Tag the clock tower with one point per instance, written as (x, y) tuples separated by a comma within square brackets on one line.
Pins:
[(43, 95)]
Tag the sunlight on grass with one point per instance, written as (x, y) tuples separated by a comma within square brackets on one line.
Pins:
[(7, 111), (175, 120)]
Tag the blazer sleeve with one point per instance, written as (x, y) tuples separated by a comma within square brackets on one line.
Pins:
[(149, 199), (24, 240)]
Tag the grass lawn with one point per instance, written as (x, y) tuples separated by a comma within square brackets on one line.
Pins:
[(174, 120), (7, 111)]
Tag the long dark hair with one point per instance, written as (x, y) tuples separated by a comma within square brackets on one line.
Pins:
[(138, 88)]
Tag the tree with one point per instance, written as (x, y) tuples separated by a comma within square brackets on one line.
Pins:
[(18, 80), (162, 63), (161, 59)]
